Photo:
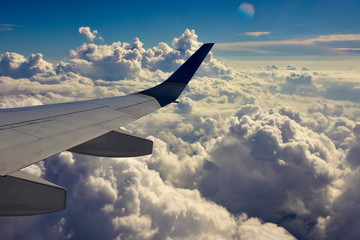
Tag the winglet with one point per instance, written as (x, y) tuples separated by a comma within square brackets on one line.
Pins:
[(168, 91)]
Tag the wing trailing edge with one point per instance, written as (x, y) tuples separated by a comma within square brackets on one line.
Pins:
[(118, 143), (24, 194)]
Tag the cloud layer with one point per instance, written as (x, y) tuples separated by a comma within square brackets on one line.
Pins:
[(269, 152), (323, 45)]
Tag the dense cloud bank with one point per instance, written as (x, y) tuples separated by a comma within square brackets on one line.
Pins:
[(264, 153), (87, 72), (123, 199), (270, 156)]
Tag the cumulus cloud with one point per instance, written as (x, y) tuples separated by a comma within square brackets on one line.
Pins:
[(290, 67), (304, 69), (269, 156), (126, 200), (344, 222), (58, 88), (299, 78), (254, 229), (272, 67), (288, 165), (301, 84), (187, 41), (342, 91), (16, 65), (285, 151), (129, 200), (117, 61), (334, 85), (247, 153), (90, 67), (21, 101), (128, 61), (185, 106), (90, 35)]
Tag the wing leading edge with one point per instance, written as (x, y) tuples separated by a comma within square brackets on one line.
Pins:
[(30, 134)]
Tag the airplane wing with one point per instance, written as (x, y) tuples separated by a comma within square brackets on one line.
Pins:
[(31, 134)]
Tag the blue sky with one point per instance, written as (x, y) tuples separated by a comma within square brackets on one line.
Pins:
[(51, 27)]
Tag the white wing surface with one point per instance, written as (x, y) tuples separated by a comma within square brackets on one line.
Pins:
[(31, 134)]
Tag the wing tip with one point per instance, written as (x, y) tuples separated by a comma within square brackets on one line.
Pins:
[(209, 44), (169, 90)]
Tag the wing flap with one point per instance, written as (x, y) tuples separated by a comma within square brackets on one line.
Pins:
[(24, 194), (115, 144)]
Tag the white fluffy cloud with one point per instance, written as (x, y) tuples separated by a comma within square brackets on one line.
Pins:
[(16, 65), (251, 153), (270, 156), (123, 199), (120, 61), (299, 78), (128, 199), (90, 35), (254, 229)]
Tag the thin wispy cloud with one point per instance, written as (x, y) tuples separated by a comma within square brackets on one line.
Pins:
[(346, 49), (257, 46), (8, 27), (255, 34)]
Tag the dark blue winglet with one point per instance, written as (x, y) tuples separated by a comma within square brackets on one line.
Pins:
[(168, 91)]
